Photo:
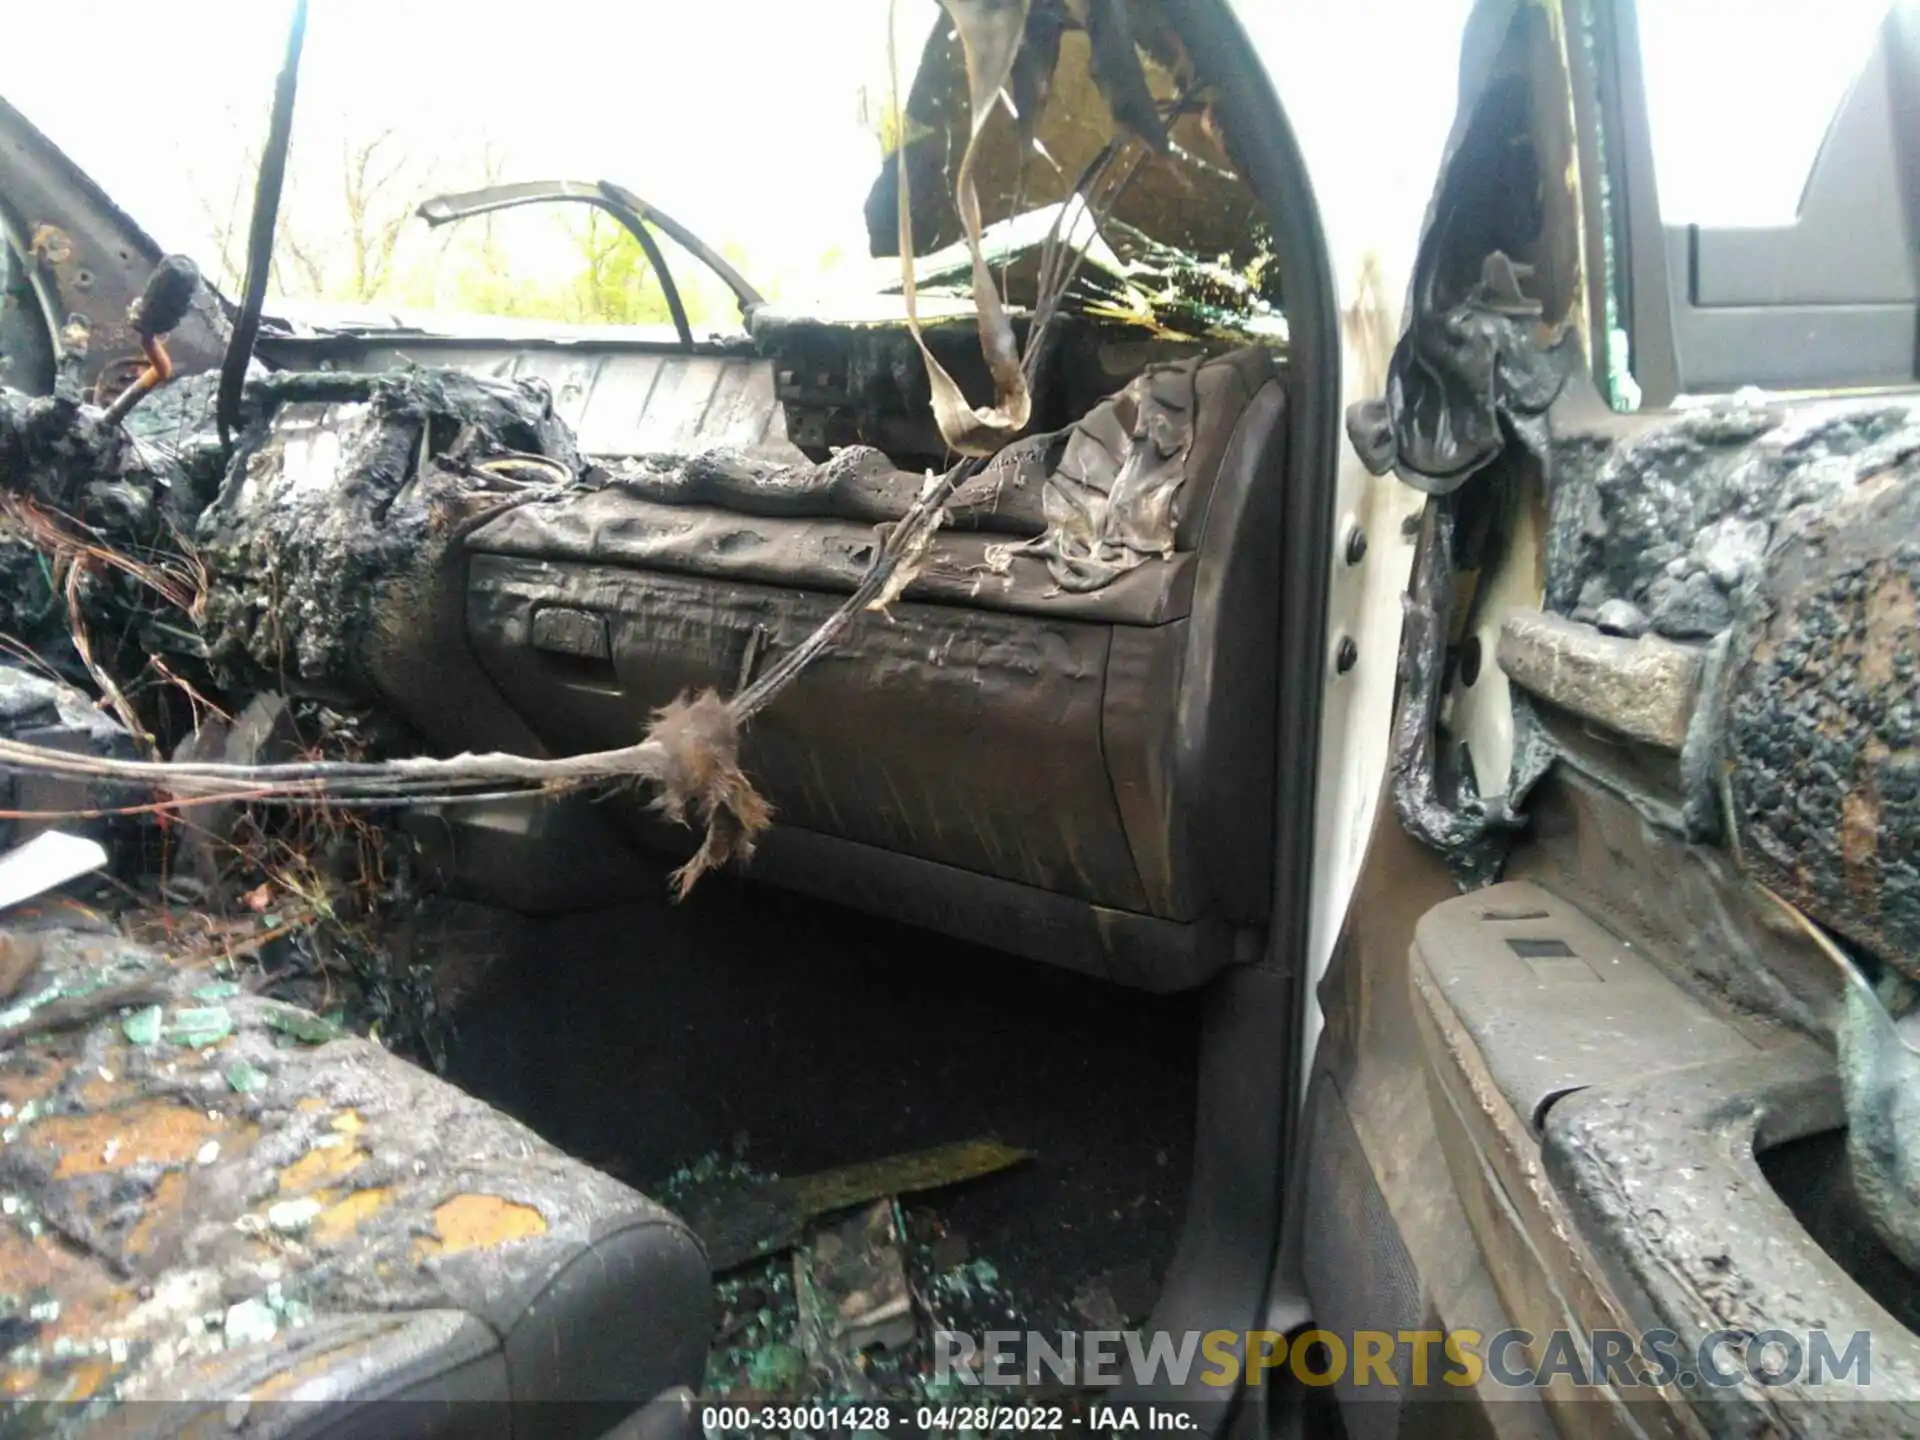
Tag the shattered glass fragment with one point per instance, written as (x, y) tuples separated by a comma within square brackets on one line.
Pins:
[(307, 1028), (143, 1026), (195, 1029), (777, 1367), (250, 1322)]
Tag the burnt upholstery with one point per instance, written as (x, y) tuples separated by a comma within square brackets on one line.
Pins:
[(1080, 772), (217, 1208)]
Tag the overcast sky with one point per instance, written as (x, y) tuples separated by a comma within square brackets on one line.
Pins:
[(741, 117), (735, 116)]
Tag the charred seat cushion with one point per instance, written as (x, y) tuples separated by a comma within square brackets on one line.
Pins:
[(221, 1204)]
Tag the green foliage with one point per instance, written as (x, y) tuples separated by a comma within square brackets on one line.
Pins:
[(581, 268), (616, 284), (348, 233)]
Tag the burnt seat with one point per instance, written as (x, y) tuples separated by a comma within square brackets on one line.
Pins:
[(1076, 771), (276, 1230)]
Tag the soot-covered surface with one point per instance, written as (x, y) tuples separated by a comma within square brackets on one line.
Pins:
[(1823, 715), (1813, 1177), (797, 1036), (1675, 519)]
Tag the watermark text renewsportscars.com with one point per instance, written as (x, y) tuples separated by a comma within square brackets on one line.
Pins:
[(1515, 1359)]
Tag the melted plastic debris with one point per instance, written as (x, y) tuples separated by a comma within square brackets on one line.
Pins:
[(1676, 520), (340, 500), (1113, 500), (850, 1281)]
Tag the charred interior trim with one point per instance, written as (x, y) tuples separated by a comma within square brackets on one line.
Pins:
[(1467, 380), (625, 402), (866, 384), (1821, 725), (1643, 688), (1499, 291), (1500, 329), (1685, 905), (1435, 794), (335, 550), (1625, 1155), (1100, 743)]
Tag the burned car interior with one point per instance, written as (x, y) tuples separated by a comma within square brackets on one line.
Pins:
[(1041, 730), (1648, 716), (624, 870), (1012, 752)]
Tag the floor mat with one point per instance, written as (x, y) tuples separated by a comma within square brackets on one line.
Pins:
[(754, 1031)]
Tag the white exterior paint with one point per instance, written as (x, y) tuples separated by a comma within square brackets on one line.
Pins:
[(1370, 88)]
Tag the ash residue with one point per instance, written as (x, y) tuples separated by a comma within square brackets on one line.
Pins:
[(343, 488), (347, 487), (1668, 526), (175, 429)]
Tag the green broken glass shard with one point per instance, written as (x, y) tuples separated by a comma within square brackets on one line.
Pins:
[(200, 1027), (776, 1367), (301, 1025), (245, 1078), (143, 1026)]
